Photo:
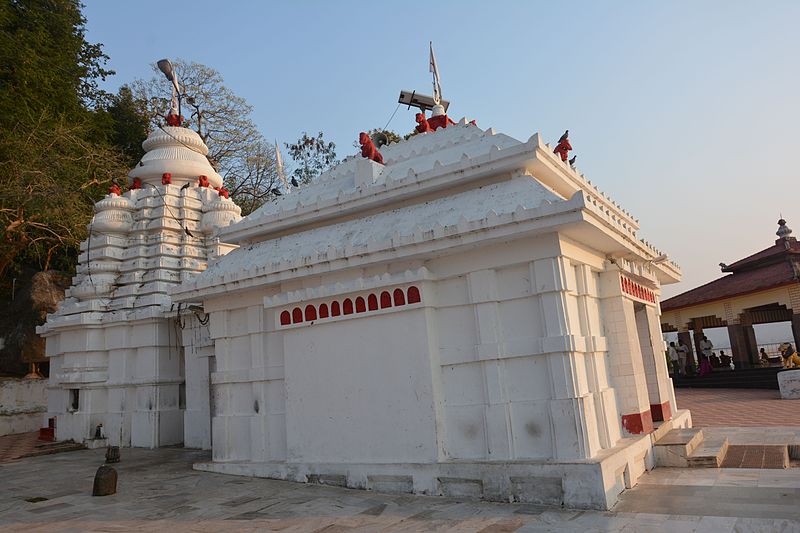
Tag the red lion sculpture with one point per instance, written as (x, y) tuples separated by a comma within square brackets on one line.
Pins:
[(563, 147), (222, 192), (422, 123), (202, 181), (114, 189), (166, 178), (368, 149), (137, 184)]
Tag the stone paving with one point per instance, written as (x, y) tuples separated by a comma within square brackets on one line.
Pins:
[(158, 491), (738, 407)]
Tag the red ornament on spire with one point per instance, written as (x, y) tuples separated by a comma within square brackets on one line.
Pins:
[(166, 178), (137, 183), (173, 119), (202, 181)]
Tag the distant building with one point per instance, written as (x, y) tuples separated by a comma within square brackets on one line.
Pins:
[(759, 289)]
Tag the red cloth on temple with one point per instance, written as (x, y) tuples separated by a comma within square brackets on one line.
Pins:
[(439, 121)]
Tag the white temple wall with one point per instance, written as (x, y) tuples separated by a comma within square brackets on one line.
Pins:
[(506, 369), (339, 402), (128, 377)]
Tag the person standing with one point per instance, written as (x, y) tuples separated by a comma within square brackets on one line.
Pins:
[(706, 346), (673, 356), (683, 353)]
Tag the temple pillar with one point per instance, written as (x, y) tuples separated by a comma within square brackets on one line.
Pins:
[(685, 337), (743, 344), (655, 362), (752, 346), (796, 331), (626, 368)]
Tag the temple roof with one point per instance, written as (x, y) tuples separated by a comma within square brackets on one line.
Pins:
[(771, 267), (436, 190)]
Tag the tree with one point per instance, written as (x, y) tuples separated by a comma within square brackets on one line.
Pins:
[(312, 155), (55, 153), (237, 150), (130, 124), (254, 181)]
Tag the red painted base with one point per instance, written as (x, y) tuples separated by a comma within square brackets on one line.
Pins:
[(638, 423), (661, 411), (47, 434)]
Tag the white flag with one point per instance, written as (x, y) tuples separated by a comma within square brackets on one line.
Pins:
[(279, 164), (437, 85)]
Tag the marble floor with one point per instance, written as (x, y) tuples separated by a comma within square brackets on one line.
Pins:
[(159, 491)]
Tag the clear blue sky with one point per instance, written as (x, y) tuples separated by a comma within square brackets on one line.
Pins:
[(686, 113)]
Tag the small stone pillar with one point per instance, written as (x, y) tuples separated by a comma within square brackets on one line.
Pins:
[(105, 481)]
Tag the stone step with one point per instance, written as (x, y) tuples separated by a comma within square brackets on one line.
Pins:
[(709, 454), (676, 446), (54, 447)]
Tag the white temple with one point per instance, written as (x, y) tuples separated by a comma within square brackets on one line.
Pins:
[(115, 353), (470, 318)]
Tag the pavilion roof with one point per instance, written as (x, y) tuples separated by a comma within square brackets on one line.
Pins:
[(763, 270)]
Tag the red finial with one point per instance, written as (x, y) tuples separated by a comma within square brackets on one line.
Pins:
[(368, 149), (222, 191), (166, 178), (114, 189), (202, 181), (174, 119), (137, 184)]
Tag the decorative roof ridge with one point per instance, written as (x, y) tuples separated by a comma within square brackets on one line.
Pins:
[(413, 183), (770, 255)]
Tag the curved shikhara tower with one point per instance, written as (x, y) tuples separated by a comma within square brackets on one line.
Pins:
[(114, 342)]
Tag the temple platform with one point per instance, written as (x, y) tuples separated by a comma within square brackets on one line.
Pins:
[(573, 484)]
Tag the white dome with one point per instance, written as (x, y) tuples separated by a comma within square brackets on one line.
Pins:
[(179, 151)]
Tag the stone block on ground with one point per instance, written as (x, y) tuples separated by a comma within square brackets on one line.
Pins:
[(789, 384), (105, 481)]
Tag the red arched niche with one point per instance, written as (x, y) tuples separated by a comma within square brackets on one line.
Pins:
[(311, 313), (297, 315), (399, 297), (286, 318), (347, 306), (361, 305), (386, 300), (336, 309), (323, 311), (413, 295)]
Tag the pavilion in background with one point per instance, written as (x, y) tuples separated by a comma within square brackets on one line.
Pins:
[(760, 289)]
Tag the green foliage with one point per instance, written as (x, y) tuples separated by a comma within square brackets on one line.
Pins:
[(129, 124), (57, 130), (45, 61), (312, 155)]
